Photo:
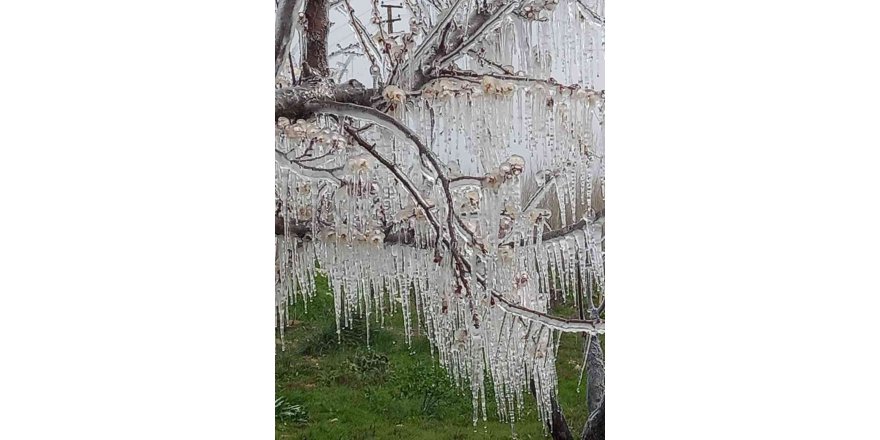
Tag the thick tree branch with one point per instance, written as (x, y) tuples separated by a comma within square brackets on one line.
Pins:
[(318, 25), (291, 102), (371, 115)]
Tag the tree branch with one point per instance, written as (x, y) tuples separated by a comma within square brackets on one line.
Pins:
[(465, 74), (283, 29), (316, 36), (365, 41), (556, 233), (483, 22), (592, 326), (291, 102), (428, 42), (404, 181), (594, 17)]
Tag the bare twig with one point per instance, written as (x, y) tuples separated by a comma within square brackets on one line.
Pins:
[(363, 37), (465, 74)]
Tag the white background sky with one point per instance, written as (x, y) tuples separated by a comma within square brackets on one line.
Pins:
[(135, 190)]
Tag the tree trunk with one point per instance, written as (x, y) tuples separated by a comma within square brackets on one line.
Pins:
[(595, 426), (316, 37), (559, 430), (595, 375)]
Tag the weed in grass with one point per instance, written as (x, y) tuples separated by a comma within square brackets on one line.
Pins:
[(287, 412)]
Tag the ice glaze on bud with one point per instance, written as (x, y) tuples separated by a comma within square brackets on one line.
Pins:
[(394, 94)]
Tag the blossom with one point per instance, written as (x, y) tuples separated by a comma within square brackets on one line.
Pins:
[(492, 181), (516, 164), (376, 237), (394, 94), (357, 164), (494, 86)]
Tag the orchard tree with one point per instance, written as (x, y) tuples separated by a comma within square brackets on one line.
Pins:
[(463, 186)]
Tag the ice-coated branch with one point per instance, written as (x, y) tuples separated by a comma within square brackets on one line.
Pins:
[(364, 39), (554, 234), (541, 192), (429, 40), (308, 170), (465, 74), (374, 4), (284, 26), (291, 102), (563, 231), (594, 17), (390, 123), (596, 326), (375, 116), (482, 58), (401, 130), (416, 195), (303, 230), (350, 49), (483, 23)]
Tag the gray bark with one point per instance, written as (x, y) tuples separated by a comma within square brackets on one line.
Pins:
[(283, 27), (594, 428), (559, 429), (316, 38), (291, 102)]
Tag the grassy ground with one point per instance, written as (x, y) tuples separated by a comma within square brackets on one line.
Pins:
[(390, 390)]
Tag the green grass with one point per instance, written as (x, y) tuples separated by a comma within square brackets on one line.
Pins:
[(390, 390)]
